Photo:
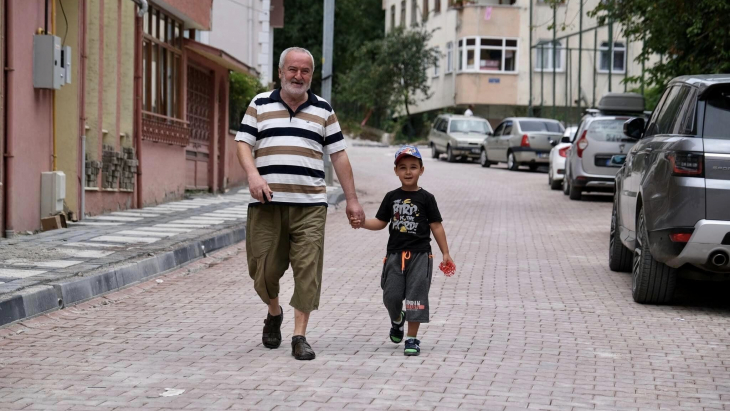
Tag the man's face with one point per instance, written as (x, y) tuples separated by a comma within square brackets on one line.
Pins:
[(296, 75)]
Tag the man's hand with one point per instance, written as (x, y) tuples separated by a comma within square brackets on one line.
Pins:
[(355, 213), (259, 189)]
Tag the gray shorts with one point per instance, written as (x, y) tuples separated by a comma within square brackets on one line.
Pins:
[(407, 276)]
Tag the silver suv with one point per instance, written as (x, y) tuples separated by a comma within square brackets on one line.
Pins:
[(600, 145), (671, 208), (457, 136)]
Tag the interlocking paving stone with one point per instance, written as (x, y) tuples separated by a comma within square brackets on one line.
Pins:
[(533, 319)]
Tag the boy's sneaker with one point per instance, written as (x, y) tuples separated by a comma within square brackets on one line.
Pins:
[(396, 330), (271, 337), (300, 348), (413, 347)]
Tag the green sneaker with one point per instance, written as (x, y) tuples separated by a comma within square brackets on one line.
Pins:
[(413, 347), (396, 330)]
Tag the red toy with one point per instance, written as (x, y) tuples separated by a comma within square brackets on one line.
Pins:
[(448, 268)]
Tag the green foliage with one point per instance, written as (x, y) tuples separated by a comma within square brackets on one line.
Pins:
[(356, 22), (692, 35), (391, 73), (242, 89)]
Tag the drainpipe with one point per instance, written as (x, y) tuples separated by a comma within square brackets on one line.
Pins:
[(2, 134), (53, 93), (138, 97), (82, 109), (143, 6), (9, 112)]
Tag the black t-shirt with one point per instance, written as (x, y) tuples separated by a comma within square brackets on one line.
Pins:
[(409, 214)]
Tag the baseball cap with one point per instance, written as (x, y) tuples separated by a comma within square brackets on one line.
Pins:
[(407, 151)]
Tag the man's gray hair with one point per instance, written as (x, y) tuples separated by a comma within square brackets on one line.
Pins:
[(299, 49)]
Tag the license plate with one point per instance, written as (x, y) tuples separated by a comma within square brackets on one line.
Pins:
[(543, 155), (475, 150)]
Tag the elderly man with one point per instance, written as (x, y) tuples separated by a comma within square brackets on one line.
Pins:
[(290, 131)]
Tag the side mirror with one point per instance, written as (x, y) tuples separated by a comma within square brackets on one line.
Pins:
[(634, 128), (490, 134), (565, 139)]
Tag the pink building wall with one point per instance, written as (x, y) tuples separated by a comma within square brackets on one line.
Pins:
[(163, 175), (236, 175), (29, 120), (197, 10)]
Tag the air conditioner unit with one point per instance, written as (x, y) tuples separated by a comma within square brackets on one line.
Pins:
[(53, 192)]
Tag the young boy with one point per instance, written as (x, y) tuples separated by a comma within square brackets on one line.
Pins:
[(413, 214)]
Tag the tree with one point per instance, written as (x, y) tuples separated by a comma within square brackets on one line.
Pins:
[(692, 36), (392, 73), (356, 22), (243, 88)]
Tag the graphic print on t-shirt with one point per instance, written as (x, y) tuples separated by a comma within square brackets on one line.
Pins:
[(404, 216)]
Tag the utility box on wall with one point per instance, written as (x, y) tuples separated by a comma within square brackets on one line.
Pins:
[(48, 69), (53, 192)]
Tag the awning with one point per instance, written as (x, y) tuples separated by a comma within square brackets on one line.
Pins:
[(220, 57)]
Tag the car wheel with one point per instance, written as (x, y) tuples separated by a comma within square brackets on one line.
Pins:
[(652, 282), (511, 162), (434, 153), (574, 193), (554, 184), (450, 155), (566, 185), (533, 167), (483, 159), (619, 257)]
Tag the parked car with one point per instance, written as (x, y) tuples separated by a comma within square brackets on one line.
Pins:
[(457, 136), (521, 141), (671, 208), (600, 145), (557, 159)]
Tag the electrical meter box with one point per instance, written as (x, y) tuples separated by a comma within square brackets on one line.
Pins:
[(48, 69), (53, 192)]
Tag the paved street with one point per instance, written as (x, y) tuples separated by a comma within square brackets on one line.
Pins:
[(533, 319)]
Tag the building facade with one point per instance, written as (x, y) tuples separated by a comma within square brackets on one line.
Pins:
[(498, 55), (140, 117)]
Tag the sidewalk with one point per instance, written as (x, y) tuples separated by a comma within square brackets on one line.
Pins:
[(58, 268)]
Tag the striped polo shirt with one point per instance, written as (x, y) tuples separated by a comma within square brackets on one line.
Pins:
[(289, 146)]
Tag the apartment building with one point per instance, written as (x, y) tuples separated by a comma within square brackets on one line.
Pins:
[(487, 59)]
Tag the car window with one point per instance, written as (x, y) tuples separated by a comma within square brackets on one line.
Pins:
[(610, 130), (436, 124), (651, 128), (540, 125), (469, 126), (507, 128), (717, 113), (442, 126), (498, 130), (666, 119), (686, 123)]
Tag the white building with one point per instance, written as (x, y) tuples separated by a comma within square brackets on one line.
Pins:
[(485, 47)]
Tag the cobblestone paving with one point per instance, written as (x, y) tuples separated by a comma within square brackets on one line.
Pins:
[(533, 319)]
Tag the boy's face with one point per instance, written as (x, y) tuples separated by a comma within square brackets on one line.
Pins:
[(408, 170)]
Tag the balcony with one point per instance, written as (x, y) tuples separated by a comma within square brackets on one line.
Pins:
[(167, 130), (489, 18)]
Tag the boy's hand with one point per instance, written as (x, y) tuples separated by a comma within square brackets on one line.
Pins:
[(448, 266), (355, 223)]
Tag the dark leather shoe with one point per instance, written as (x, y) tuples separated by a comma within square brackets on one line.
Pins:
[(272, 330), (300, 348)]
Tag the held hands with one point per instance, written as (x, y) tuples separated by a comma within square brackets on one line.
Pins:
[(355, 214)]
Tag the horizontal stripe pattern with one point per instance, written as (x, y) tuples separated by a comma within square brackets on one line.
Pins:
[(289, 146)]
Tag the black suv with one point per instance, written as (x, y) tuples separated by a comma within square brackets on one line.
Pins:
[(671, 207)]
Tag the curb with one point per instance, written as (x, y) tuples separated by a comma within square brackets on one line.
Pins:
[(63, 293)]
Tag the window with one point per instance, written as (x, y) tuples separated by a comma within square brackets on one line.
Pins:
[(544, 59), (663, 122), (403, 13), (607, 130), (424, 10), (449, 56), (437, 6), (414, 12), (392, 17), (507, 129), (618, 63), (538, 125), (438, 62), (162, 64), (688, 125), (498, 130), (469, 126), (488, 54), (717, 113)]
